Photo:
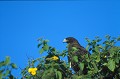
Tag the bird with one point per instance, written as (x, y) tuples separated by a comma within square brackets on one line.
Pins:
[(75, 50)]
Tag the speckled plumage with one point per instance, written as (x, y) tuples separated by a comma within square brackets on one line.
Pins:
[(80, 50)]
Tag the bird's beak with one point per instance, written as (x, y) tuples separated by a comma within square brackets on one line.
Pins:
[(64, 41)]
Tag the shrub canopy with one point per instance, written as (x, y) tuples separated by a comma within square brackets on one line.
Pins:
[(104, 62)]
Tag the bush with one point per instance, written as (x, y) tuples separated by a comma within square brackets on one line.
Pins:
[(103, 63), (6, 67)]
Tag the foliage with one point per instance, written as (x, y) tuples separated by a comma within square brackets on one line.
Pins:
[(6, 68), (50, 66), (103, 63)]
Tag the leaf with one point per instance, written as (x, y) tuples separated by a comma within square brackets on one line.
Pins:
[(11, 76), (111, 64), (6, 73), (97, 49), (75, 77), (41, 50), (88, 40), (45, 47), (108, 37), (74, 49), (14, 65), (94, 42), (48, 74), (7, 60), (106, 42), (40, 39), (118, 39), (98, 59), (87, 57), (112, 51), (81, 65), (117, 60), (59, 75), (39, 45), (45, 42), (95, 67), (2, 63), (75, 58), (105, 64), (1, 75), (87, 48), (98, 39), (2, 70)]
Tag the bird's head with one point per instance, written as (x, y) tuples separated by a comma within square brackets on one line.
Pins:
[(69, 40)]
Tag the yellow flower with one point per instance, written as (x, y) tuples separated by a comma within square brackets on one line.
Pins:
[(32, 71), (54, 58), (105, 56)]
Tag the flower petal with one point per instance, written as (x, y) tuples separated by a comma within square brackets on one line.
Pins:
[(30, 69)]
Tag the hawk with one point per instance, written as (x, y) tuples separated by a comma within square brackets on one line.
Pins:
[(75, 50)]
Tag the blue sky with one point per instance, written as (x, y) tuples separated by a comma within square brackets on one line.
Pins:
[(23, 22)]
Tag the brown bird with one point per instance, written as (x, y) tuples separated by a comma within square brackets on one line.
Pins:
[(75, 53)]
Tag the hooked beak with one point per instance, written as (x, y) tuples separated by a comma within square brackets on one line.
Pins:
[(64, 41)]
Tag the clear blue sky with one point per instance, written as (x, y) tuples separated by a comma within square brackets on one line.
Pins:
[(22, 23)]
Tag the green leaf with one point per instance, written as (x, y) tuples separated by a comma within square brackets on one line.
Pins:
[(112, 51), (7, 60), (2, 70), (41, 50), (40, 39), (45, 47), (59, 75), (75, 77), (118, 39), (1, 75), (11, 76), (87, 48), (81, 66), (14, 65), (95, 67), (108, 37), (88, 40), (2, 63), (117, 60), (75, 58), (74, 49), (98, 59), (6, 73), (105, 64), (94, 42), (39, 45), (106, 42), (45, 42), (111, 64), (98, 39), (87, 57), (97, 49), (48, 74)]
